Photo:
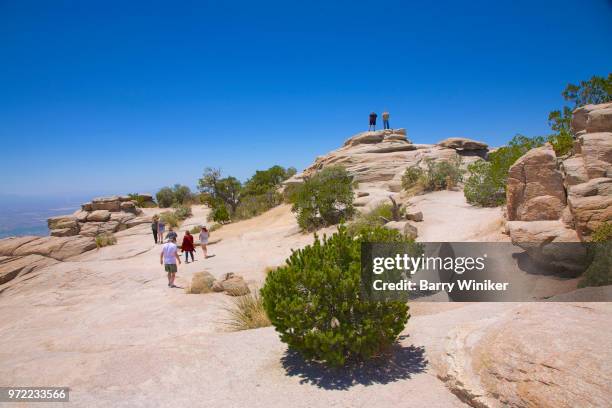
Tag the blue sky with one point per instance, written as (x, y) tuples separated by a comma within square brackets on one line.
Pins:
[(116, 96)]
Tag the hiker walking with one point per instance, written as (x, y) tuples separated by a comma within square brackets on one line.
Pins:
[(155, 227), (373, 117), (187, 246), (204, 235), (161, 228), (385, 117), (169, 257)]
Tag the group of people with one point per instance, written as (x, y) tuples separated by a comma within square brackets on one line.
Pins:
[(169, 256), (374, 116)]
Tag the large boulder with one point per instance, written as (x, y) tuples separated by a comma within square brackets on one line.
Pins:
[(583, 115), (535, 188), (596, 151), (62, 221), (550, 244), (235, 286), (130, 207), (462, 143), (201, 282), (591, 204), (99, 216), (112, 203), (534, 355)]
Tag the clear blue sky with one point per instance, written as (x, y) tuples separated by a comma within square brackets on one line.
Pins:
[(120, 96)]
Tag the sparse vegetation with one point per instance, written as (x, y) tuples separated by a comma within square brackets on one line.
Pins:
[(599, 272), (182, 212), (438, 175), (593, 91), (105, 239), (174, 196), (141, 201), (603, 233), (246, 312), (486, 182), (375, 218), (324, 199), (230, 199), (195, 229), (314, 301), (169, 218)]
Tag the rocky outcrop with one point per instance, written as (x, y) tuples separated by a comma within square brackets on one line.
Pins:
[(551, 199), (462, 143), (535, 187), (377, 160), (404, 227), (101, 215), (231, 284)]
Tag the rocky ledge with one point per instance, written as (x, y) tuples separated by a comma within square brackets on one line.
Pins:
[(101, 215)]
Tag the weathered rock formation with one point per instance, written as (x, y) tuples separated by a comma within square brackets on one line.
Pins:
[(101, 215), (551, 200), (377, 160), (231, 284)]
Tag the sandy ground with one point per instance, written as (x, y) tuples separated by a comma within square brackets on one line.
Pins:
[(107, 326)]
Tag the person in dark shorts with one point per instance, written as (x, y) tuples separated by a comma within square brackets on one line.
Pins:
[(373, 117), (154, 227), (169, 258)]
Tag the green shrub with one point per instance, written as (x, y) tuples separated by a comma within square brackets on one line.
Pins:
[(169, 218), (324, 199), (182, 212), (314, 301), (411, 177), (140, 201), (438, 175), (173, 196), (246, 312), (254, 205), (105, 239), (442, 175), (562, 143), (196, 229), (603, 233), (481, 189), (375, 218), (219, 214), (486, 182)]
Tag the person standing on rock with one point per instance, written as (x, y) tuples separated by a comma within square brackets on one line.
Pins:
[(169, 258), (161, 228), (187, 246), (204, 236), (385, 117), (373, 117), (155, 227)]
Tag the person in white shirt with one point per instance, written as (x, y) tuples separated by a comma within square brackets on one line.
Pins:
[(169, 257), (204, 235)]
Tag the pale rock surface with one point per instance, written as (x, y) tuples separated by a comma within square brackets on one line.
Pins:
[(535, 188), (463, 143), (99, 216)]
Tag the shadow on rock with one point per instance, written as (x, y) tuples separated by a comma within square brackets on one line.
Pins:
[(400, 363)]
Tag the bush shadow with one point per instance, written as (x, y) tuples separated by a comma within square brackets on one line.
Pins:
[(399, 363)]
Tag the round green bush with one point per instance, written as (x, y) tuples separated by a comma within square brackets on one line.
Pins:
[(411, 177), (314, 301)]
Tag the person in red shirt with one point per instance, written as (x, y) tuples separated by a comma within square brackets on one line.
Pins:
[(187, 246)]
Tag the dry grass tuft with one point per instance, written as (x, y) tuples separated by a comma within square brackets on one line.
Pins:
[(246, 312)]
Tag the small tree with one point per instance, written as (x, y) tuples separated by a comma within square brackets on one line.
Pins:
[(165, 197), (315, 301), (324, 199)]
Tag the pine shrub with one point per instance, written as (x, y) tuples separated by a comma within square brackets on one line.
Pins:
[(324, 199), (314, 301)]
